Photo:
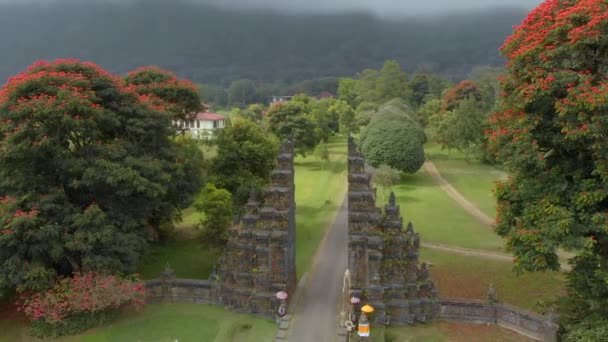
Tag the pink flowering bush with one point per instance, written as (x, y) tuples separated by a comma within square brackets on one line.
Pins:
[(76, 304)]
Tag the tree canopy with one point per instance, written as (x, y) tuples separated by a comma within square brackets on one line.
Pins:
[(550, 131), (395, 144), (87, 168)]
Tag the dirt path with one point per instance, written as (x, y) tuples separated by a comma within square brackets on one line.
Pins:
[(469, 252), (456, 196), (316, 313)]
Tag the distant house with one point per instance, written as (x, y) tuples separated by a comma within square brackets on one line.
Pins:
[(275, 99), (202, 125)]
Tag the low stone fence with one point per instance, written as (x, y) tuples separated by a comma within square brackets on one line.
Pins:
[(182, 291), (470, 311), (509, 317)]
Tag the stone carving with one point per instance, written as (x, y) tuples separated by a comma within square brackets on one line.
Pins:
[(383, 257), (259, 259)]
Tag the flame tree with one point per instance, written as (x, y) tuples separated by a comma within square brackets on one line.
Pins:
[(86, 168), (551, 133)]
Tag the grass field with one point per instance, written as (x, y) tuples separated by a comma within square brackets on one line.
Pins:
[(459, 276), (168, 322), (444, 332), (438, 218), (320, 191), (473, 180)]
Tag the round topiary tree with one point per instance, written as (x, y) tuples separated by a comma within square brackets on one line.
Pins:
[(395, 144)]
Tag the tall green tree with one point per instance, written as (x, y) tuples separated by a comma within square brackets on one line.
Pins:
[(550, 132), (322, 152), (245, 157), (347, 91), (215, 206), (346, 116), (395, 144), (386, 177), (87, 167), (242, 92), (392, 82), (293, 116)]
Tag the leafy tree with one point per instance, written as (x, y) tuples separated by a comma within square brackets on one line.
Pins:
[(420, 89), (462, 91), (386, 177), (466, 122), (322, 153), (395, 144), (254, 112), (347, 91), (245, 158), (285, 118), (392, 82), (550, 132), (326, 121), (366, 86), (214, 94), (179, 97), (87, 167), (428, 109), (346, 115), (242, 92), (216, 208)]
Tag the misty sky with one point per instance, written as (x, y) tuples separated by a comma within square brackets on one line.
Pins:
[(380, 7)]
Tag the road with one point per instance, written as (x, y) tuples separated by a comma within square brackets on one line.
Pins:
[(316, 313)]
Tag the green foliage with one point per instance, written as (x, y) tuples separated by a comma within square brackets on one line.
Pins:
[(327, 122), (245, 158), (216, 206), (253, 112), (322, 152), (550, 131), (463, 128), (395, 144), (241, 93), (347, 91), (73, 325), (392, 82), (293, 116), (584, 333), (428, 109), (88, 169), (346, 116), (386, 177)]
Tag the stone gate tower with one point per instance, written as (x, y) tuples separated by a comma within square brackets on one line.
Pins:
[(260, 256), (382, 257)]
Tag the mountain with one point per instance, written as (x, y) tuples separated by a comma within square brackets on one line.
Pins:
[(212, 45)]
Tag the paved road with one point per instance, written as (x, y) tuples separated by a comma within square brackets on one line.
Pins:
[(316, 313)]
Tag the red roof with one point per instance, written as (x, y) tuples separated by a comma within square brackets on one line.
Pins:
[(209, 117)]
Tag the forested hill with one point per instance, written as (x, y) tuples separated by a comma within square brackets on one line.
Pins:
[(211, 45)]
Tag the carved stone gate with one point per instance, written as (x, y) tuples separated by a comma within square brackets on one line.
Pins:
[(382, 257), (260, 256)]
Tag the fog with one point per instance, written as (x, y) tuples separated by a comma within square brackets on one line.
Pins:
[(379, 7)]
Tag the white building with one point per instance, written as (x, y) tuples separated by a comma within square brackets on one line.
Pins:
[(275, 99), (202, 125)]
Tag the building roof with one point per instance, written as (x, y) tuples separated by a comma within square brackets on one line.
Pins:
[(206, 116)]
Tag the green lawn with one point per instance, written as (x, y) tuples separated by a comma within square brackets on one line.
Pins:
[(168, 322), (473, 180), (460, 276), (437, 217), (320, 191)]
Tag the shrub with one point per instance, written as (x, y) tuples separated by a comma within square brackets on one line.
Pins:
[(76, 304), (397, 145)]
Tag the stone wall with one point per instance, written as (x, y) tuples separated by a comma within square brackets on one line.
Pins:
[(509, 317), (182, 291)]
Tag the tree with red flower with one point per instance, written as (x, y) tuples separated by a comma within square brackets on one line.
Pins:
[(550, 132)]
